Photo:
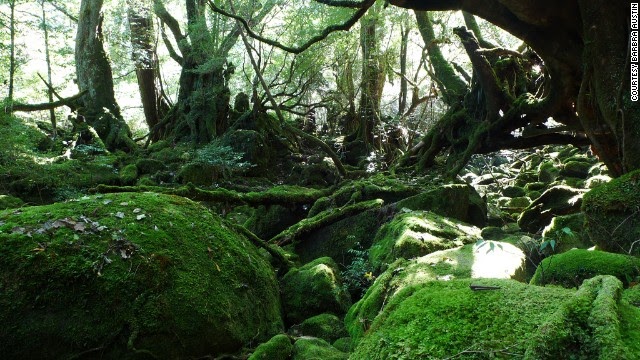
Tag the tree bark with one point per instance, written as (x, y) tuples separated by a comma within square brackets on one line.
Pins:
[(45, 29), (98, 106), (12, 59)]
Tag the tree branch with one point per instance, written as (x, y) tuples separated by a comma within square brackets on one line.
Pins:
[(298, 49), (46, 106)]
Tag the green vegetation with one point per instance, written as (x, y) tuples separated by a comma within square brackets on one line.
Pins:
[(278, 347)]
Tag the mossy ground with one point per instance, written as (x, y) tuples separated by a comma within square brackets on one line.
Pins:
[(126, 274)]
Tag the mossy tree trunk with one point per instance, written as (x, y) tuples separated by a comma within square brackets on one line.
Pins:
[(584, 46), (98, 106)]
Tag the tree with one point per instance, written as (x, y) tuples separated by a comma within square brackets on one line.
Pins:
[(583, 46), (98, 107)]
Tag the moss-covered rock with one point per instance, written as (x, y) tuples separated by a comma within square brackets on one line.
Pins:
[(199, 174), (268, 221), (518, 203), (571, 268), (513, 191), (308, 348), (417, 233), (568, 232), (150, 166), (576, 169), (10, 202), (125, 275), (458, 201), (493, 233), (278, 347), (324, 326), (446, 319), (343, 344), (597, 180), (313, 289), (548, 172), (558, 200), (486, 260), (129, 174), (611, 211)]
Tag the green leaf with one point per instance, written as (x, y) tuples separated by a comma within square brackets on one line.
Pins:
[(553, 245), (544, 245), (567, 231)]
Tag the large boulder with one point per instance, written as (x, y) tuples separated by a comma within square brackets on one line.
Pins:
[(483, 260), (558, 200), (278, 347), (611, 212), (443, 319), (571, 268), (418, 233), (309, 348), (123, 275), (313, 289)]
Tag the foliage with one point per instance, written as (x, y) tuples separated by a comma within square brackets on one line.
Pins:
[(222, 157), (358, 275)]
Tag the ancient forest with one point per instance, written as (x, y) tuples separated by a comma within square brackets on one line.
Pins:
[(319, 179)]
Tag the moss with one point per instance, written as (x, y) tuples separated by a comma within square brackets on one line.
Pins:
[(343, 344), (149, 166), (322, 204), (568, 232), (519, 202), (313, 289), (198, 174), (493, 233), (493, 260), (307, 348), (535, 186), (278, 347), (558, 200), (611, 212), (126, 274), (576, 169), (268, 221), (632, 294), (128, 174), (380, 186), (571, 268), (443, 319), (418, 233), (548, 172), (513, 191), (10, 202), (324, 326)]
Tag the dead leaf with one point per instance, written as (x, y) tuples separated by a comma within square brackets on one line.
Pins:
[(124, 204), (120, 215), (136, 210), (80, 227), (155, 227), (107, 202), (141, 216), (18, 230)]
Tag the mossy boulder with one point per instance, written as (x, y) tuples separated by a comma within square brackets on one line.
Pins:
[(518, 203), (417, 233), (486, 260), (568, 232), (268, 221), (309, 348), (198, 173), (558, 200), (129, 174), (123, 275), (458, 201), (571, 268), (10, 202), (493, 233), (548, 171), (278, 347), (313, 289), (440, 319), (324, 326), (150, 166), (597, 180), (343, 344), (513, 191), (611, 211), (576, 169)]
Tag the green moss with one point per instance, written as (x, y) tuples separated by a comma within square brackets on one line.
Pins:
[(492, 260), (418, 233), (324, 326), (313, 289), (322, 204), (571, 268), (308, 348), (611, 214), (379, 186), (130, 273), (576, 169), (267, 221), (568, 232), (343, 344), (198, 174), (129, 174), (149, 166), (548, 172), (513, 191), (278, 347), (10, 202)]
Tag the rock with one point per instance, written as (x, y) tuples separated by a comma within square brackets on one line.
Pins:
[(128, 274), (458, 201), (519, 203), (571, 268), (548, 172), (487, 260), (199, 174), (324, 326), (268, 221), (417, 233), (568, 233), (535, 186), (611, 211), (313, 289), (577, 169), (344, 344), (440, 320), (10, 202), (129, 174), (596, 180), (487, 179), (150, 166), (278, 347), (558, 200), (307, 348), (513, 191), (492, 233)]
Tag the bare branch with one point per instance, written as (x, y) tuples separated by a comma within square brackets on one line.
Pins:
[(343, 3), (298, 49), (45, 106)]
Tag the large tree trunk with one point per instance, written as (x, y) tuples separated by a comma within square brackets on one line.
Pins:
[(99, 107), (145, 58)]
